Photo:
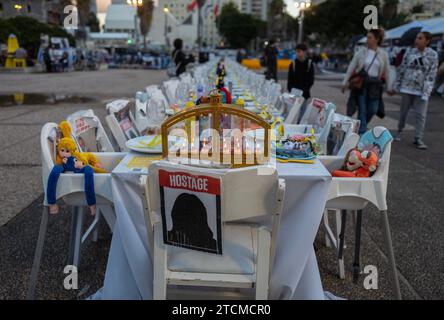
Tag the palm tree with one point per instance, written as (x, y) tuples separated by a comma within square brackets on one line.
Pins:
[(83, 7), (145, 13), (389, 10)]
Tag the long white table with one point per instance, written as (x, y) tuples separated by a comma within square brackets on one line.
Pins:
[(295, 274)]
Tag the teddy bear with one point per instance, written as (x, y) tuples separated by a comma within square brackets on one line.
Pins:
[(358, 164), (69, 159)]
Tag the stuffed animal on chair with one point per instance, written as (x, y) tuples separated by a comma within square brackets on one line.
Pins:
[(358, 165), (69, 159)]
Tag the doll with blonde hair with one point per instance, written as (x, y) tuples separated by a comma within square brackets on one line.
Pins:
[(69, 159)]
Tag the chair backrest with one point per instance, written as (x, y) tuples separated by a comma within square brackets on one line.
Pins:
[(350, 142), (294, 109), (88, 132), (236, 185), (151, 89), (48, 140), (342, 136), (121, 122), (140, 111), (378, 139), (314, 112)]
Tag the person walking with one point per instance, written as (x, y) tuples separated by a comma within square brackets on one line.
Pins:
[(271, 53), (365, 75), (47, 59), (301, 74), (179, 57), (415, 82)]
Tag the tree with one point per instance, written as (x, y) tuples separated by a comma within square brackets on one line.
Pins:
[(418, 8), (145, 13), (236, 27), (28, 31), (93, 23), (275, 18), (83, 7), (337, 22)]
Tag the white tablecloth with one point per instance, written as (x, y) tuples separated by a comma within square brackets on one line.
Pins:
[(295, 274)]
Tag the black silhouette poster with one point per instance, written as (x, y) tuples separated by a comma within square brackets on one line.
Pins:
[(191, 212)]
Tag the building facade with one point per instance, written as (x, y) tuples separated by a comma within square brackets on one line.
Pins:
[(45, 11), (257, 8), (430, 7), (177, 22), (121, 18)]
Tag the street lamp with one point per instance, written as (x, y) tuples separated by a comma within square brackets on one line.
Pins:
[(302, 6), (166, 11), (135, 4)]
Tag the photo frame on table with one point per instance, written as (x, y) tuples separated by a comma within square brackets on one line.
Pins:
[(191, 211)]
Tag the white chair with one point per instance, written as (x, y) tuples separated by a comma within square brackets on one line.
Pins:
[(94, 138), (248, 248), (70, 188), (121, 122), (354, 194)]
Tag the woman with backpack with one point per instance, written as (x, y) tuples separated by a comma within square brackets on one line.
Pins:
[(365, 75), (179, 58)]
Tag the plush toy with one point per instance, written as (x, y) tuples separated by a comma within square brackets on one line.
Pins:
[(69, 159), (226, 95), (66, 146), (81, 166), (358, 164)]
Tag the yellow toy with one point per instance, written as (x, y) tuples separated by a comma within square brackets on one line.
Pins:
[(69, 159), (11, 61), (280, 127), (240, 102), (66, 147)]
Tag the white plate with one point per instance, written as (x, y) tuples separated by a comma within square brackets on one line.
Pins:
[(139, 144)]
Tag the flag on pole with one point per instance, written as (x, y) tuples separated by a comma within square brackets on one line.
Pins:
[(208, 7), (216, 8), (192, 5)]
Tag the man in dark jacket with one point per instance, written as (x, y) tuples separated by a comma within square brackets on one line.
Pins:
[(271, 53), (301, 75), (301, 72)]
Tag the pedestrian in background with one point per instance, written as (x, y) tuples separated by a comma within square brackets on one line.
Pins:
[(271, 53), (415, 82), (180, 59), (365, 74), (301, 74)]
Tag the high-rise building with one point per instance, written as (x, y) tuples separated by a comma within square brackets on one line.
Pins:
[(46, 11), (257, 8), (121, 18)]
